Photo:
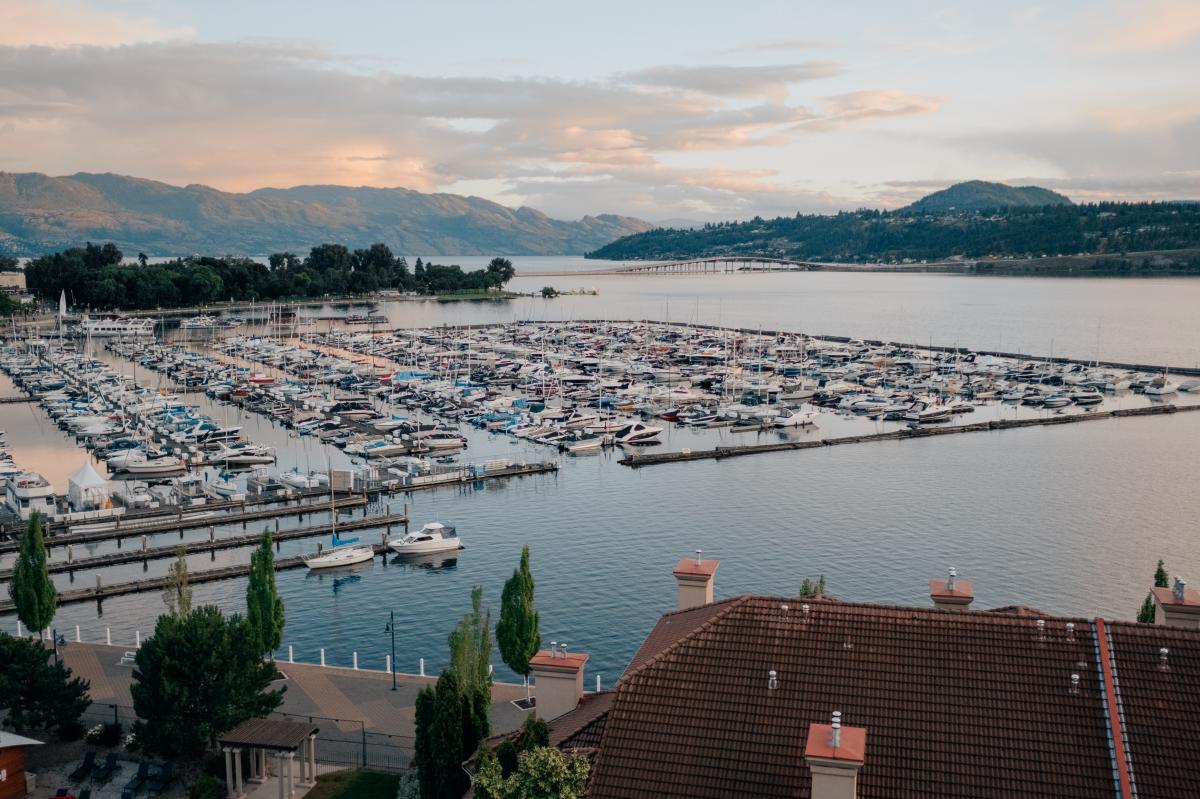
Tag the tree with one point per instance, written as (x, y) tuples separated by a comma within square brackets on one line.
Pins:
[(197, 677), (439, 739), (1146, 613), (142, 259), (264, 608), (810, 588), (544, 773), (9, 264), (31, 589), (500, 271), (177, 596), (36, 692), (549, 292), (470, 661), (517, 631)]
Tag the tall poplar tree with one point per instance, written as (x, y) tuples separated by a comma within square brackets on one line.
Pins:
[(31, 589), (264, 608), (517, 632)]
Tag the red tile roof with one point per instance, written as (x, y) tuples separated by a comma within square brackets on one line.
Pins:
[(568, 661), (971, 703), (852, 746), (1166, 596), (688, 567)]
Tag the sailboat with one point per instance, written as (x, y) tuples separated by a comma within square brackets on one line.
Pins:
[(343, 551)]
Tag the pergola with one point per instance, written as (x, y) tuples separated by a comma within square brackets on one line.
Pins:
[(283, 739)]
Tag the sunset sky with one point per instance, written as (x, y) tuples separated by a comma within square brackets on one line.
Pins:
[(663, 110)]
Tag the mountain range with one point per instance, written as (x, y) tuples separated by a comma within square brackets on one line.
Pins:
[(40, 213)]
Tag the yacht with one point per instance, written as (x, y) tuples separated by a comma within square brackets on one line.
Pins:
[(116, 328), (790, 418), (166, 466), (244, 454), (433, 537), (382, 448), (637, 433), (1160, 386), (924, 412), (298, 479)]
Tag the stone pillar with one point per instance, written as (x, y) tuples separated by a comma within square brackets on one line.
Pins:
[(228, 774), (237, 771), (291, 775), (279, 775), (312, 755)]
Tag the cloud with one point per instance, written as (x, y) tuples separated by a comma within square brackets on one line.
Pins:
[(1151, 25), (772, 46), (735, 81), (61, 23), (241, 116)]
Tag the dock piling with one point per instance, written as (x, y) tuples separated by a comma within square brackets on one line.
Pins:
[(322, 656), (108, 636), (422, 667), (291, 655)]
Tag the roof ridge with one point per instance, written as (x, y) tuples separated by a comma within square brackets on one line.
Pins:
[(733, 603), (680, 611), (1112, 708), (972, 613)]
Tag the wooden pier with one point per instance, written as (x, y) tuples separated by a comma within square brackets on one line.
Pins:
[(214, 544), (719, 453), (102, 592), (180, 519)]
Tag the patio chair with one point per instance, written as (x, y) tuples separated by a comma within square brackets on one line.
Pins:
[(85, 768), (105, 771), (138, 780)]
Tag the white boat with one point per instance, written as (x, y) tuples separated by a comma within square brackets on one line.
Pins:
[(116, 328), (1160, 386), (382, 449), (443, 440), (924, 412), (298, 479), (637, 433), (433, 537), (158, 467), (244, 455), (1190, 385), (790, 418), (224, 486), (340, 556)]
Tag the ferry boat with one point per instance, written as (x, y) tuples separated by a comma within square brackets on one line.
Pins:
[(433, 537), (116, 327)]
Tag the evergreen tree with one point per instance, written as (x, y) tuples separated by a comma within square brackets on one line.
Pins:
[(424, 760), (445, 737), (30, 587), (35, 692), (177, 596), (198, 676), (517, 631), (543, 773), (1146, 613), (264, 608)]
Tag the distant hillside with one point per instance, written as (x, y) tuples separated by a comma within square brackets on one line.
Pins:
[(979, 195), (1006, 224), (40, 214)]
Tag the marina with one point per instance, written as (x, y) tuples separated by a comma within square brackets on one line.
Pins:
[(526, 399)]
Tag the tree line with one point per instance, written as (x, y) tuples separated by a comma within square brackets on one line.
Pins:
[(868, 236), (96, 276)]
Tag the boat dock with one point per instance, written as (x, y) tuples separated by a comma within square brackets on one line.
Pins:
[(102, 592), (636, 460), (213, 544)]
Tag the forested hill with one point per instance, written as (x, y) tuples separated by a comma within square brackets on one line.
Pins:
[(40, 214), (911, 235)]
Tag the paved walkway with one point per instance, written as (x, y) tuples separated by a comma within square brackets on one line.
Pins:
[(357, 699)]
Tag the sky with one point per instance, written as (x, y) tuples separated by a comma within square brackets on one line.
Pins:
[(658, 109)]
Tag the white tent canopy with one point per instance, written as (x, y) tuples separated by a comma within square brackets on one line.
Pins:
[(87, 489)]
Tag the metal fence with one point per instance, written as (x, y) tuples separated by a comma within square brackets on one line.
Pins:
[(340, 742)]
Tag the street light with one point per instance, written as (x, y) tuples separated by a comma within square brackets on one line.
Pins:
[(391, 628)]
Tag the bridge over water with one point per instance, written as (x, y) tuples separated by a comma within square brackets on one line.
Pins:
[(725, 264)]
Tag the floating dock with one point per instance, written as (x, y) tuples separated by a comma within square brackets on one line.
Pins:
[(718, 453)]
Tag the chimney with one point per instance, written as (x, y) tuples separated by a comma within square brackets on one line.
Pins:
[(694, 578), (558, 681), (1177, 606), (951, 593), (835, 754)]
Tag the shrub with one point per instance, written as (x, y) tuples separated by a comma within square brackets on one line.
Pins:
[(207, 787)]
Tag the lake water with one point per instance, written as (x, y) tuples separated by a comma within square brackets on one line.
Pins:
[(1070, 519)]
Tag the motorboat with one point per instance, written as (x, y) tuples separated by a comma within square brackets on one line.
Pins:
[(382, 448), (1159, 387), (791, 418), (298, 479), (637, 433), (165, 466), (223, 485), (433, 537), (244, 454), (344, 552), (923, 412)]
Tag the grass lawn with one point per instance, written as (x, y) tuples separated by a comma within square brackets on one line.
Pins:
[(355, 785)]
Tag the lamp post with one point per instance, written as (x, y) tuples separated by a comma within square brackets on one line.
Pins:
[(391, 628)]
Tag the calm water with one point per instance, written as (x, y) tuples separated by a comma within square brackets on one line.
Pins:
[(1070, 519)]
